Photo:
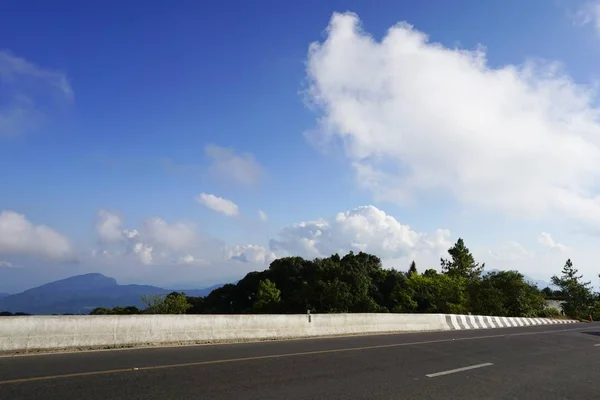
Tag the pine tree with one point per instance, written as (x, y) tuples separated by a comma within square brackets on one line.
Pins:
[(578, 295), (413, 268), (462, 263)]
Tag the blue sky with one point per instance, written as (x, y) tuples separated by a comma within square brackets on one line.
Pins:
[(115, 118)]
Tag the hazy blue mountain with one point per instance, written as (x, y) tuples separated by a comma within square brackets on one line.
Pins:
[(83, 293), (4, 294), (200, 292)]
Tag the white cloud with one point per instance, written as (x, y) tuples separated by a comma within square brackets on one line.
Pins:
[(588, 13), (262, 215), (18, 236), (144, 252), (547, 240), (177, 236), (191, 260), (28, 92), (416, 117), (154, 242), (227, 165), (218, 204), (365, 229), (109, 226), (6, 264), (153, 233), (250, 253), (511, 251)]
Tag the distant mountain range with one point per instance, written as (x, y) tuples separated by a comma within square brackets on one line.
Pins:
[(82, 293), (4, 294)]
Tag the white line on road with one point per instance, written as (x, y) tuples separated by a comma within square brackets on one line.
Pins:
[(597, 344), (452, 371)]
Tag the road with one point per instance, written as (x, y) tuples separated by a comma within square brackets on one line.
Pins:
[(543, 362)]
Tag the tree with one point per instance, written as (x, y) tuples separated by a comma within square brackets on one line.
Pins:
[(461, 262), (267, 297), (413, 268), (359, 283), (430, 272), (506, 293), (101, 311), (577, 295), (173, 303), (548, 292), (438, 293), (115, 311)]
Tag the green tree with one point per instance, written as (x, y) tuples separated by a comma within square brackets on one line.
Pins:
[(129, 310), (101, 311), (267, 297), (461, 262), (198, 305), (359, 283), (439, 293), (548, 292), (172, 303), (413, 268), (430, 272), (577, 294), (506, 293)]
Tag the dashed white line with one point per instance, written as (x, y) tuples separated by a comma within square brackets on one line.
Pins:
[(453, 371)]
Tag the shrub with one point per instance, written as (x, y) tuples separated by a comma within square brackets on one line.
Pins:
[(549, 312)]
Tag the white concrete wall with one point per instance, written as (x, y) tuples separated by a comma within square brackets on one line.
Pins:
[(31, 333)]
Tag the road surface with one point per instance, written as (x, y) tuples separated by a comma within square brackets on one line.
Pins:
[(543, 362)]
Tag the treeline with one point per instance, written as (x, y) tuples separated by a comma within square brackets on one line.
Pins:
[(359, 283), (9, 314)]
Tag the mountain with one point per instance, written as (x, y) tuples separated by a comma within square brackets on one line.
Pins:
[(82, 293), (537, 282), (200, 292), (4, 294)]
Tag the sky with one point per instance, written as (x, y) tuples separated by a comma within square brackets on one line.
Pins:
[(186, 143)]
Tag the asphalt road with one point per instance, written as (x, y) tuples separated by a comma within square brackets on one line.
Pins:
[(543, 362)]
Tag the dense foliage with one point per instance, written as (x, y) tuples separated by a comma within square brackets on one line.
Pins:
[(359, 283)]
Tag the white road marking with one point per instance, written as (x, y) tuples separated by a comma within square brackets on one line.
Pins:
[(453, 371), (596, 345)]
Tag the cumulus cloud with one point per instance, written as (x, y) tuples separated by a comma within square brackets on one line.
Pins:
[(177, 236), (226, 164), (19, 236), (109, 226), (415, 117), (547, 240), (218, 204), (28, 93), (189, 259), (155, 241), (262, 215), (250, 253), (153, 233), (511, 251), (365, 228)]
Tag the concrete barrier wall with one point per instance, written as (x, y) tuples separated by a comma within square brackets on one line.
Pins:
[(35, 333)]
